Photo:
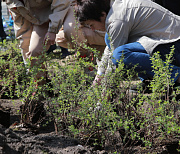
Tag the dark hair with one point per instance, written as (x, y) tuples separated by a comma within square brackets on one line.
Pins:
[(91, 9)]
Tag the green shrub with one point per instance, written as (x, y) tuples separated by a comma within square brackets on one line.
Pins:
[(102, 115)]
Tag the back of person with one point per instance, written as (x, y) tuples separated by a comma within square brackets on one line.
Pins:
[(143, 21), (171, 5)]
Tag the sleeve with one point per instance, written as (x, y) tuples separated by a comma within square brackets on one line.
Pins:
[(118, 32), (13, 7), (105, 65), (60, 9), (14, 4), (18, 11), (102, 65)]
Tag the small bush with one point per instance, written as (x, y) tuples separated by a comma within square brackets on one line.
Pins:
[(104, 116)]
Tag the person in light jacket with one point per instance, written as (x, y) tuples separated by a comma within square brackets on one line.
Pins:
[(49, 22), (82, 34), (137, 29), (36, 23)]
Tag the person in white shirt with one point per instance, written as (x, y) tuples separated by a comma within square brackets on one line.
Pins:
[(137, 29)]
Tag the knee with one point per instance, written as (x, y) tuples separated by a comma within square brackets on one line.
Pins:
[(119, 53)]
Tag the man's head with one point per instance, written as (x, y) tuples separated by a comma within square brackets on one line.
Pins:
[(93, 13)]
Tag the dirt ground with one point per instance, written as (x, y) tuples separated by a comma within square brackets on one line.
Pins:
[(46, 141), (15, 140)]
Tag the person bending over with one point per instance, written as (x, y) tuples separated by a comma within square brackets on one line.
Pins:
[(81, 33), (137, 29), (36, 23)]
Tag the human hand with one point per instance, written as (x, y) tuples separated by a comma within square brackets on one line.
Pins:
[(49, 38)]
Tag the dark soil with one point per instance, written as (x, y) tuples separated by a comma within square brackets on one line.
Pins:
[(45, 140)]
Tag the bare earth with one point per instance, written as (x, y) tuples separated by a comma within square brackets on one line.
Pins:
[(46, 141), (14, 141)]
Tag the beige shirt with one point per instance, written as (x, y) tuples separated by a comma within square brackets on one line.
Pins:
[(140, 21), (39, 12)]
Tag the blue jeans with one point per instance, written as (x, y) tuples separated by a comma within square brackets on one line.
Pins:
[(135, 54)]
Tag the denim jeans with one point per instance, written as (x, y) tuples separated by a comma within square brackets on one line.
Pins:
[(135, 54)]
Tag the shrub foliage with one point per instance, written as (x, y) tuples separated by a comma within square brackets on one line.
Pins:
[(107, 115)]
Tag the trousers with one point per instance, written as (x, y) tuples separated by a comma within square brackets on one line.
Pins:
[(135, 54), (31, 43)]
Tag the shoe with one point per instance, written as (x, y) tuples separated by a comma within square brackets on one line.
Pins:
[(51, 49), (143, 87), (64, 53)]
